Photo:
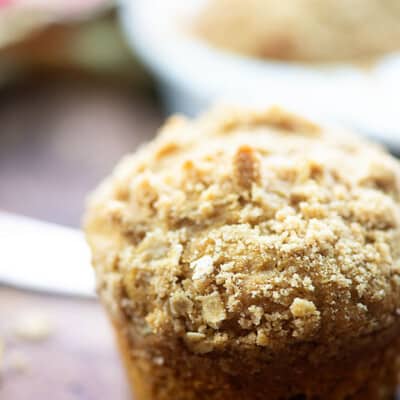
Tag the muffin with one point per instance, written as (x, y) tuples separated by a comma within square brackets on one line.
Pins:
[(303, 30), (252, 255)]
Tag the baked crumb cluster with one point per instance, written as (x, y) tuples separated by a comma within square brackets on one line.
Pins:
[(245, 229), (302, 30)]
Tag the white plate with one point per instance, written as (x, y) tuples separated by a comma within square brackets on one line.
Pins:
[(192, 75)]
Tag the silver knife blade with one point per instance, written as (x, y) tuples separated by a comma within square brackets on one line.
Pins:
[(45, 257)]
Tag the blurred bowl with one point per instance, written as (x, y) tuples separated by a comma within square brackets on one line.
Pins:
[(191, 75)]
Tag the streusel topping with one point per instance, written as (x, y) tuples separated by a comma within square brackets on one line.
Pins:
[(302, 30), (250, 229)]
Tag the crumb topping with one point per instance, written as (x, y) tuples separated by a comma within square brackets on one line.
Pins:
[(320, 31), (33, 326), (249, 229), (202, 267)]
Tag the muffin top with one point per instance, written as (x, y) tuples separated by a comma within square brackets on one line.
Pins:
[(303, 30), (249, 229)]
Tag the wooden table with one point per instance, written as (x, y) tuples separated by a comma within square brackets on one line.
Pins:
[(78, 360)]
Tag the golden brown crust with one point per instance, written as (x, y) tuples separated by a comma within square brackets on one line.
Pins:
[(364, 370), (302, 30), (254, 235)]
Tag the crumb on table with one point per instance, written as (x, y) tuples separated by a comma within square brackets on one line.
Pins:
[(33, 326)]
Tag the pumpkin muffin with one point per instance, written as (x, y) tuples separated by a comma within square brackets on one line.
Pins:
[(252, 255), (302, 30)]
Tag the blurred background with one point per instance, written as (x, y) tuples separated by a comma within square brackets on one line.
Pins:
[(73, 99), (83, 82)]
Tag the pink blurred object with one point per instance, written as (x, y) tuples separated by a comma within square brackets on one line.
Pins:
[(4, 3)]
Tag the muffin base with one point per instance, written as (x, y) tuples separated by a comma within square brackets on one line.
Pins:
[(161, 372)]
